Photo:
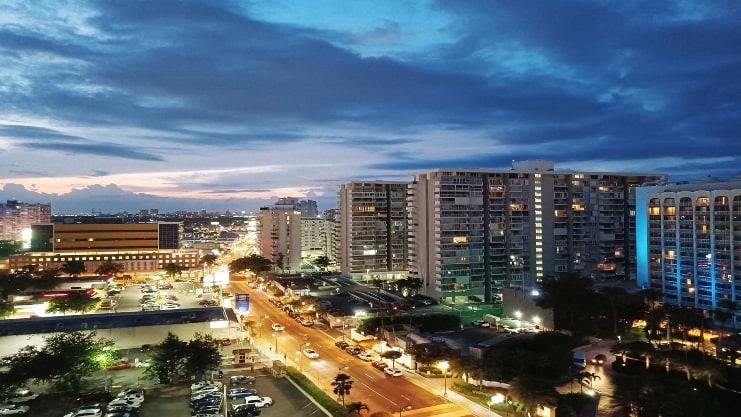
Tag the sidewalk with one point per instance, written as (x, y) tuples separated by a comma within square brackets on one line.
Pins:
[(437, 386)]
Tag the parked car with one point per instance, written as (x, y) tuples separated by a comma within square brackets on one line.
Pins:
[(119, 365), (132, 391), (392, 371), (169, 306), (226, 341), (23, 395), (305, 322), (341, 344), (208, 303), (13, 409), (95, 396), (259, 402), (204, 391), (380, 365), (481, 323), (354, 350), (242, 379), (141, 363), (198, 385), (145, 348), (241, 392), (365, 356), (245, 410), (277, 327), (311, 354)]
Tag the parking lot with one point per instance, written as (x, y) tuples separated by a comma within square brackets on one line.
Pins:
[(174, 400)]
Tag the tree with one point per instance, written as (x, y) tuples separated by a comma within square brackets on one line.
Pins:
[(209, 260), (167, 359), (532, 392), (409, 286), (279, 263), (354, 409), (74, 268), (202, 353), (77, 302), (63, 360), (322, 262), (173, 270), (567, 296), (342, 385), (7, 309), (393, 355), (588, 377), (48, 279), (615, 298), (254, 263), (110, 268)]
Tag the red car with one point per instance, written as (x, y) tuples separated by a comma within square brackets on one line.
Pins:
[(119, 365), (226, 342), (379, 365)]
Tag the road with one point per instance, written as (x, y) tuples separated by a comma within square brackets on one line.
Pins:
[(371, 386)]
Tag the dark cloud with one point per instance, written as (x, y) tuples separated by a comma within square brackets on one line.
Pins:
[(568, 81)]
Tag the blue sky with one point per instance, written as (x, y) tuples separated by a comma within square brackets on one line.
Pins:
[(229, 105)]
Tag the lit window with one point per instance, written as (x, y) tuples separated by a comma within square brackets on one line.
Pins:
[(460, 239)]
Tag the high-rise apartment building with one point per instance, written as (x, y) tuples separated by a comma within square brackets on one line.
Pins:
[(372, 230), (689, 242), (317, 238), (16, 217), (472, 232), (279, 231)]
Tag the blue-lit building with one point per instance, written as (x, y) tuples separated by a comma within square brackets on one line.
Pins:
[(689, 242)]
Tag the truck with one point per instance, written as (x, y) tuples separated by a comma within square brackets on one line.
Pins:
[(491, 319), (579, 359)]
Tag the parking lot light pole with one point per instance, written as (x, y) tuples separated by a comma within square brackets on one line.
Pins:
[(444, 367), (408, 407)]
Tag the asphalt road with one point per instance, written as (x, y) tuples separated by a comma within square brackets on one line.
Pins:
[(371, 386)]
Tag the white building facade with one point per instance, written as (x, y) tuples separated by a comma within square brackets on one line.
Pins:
[(279, 231), (372, 230), (473, 232), (689, 242)]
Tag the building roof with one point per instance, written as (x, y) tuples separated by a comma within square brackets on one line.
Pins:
[(41, 325)]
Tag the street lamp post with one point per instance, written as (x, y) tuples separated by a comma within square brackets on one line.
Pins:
[(261, 319), (408, 407), (444, 367)]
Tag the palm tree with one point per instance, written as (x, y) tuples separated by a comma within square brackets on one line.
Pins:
[(589, 377), (354, 409), (532, 392), (342, 385)]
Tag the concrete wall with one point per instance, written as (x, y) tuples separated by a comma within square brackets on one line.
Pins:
[(125, 338)]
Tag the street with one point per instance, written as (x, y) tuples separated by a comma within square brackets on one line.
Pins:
[(371, 386)]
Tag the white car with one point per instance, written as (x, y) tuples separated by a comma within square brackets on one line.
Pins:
[(12, 409), (198, 385), (365, 356), (85, 412), (169, 306), (259, 402), (203, 391), (121, 402), (311, 354), (392, 372), (141, 363), (277, 327)]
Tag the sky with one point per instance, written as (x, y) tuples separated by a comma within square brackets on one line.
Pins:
[(114, 106)]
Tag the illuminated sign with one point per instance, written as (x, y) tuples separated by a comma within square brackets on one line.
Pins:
[(242, 304)]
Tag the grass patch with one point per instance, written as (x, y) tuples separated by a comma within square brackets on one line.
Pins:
[(482, 396), (317, 394)]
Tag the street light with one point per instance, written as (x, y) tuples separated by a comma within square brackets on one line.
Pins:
[(408, 407), (443, 365), (261, 318)]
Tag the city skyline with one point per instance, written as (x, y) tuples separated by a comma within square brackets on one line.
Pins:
[(121, 106)]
